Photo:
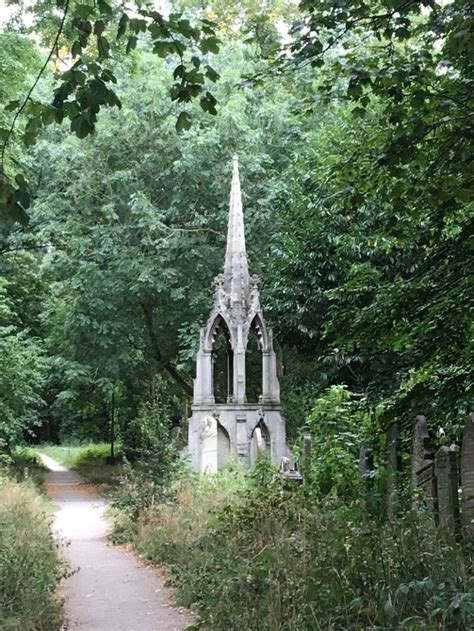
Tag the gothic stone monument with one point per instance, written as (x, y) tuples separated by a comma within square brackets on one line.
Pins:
[(219, 430)]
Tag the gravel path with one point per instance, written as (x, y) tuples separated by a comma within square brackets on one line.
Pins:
[(112, 590)]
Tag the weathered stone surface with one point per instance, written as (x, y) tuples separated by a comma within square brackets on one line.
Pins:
[(394, 448), (446, 471), (366, 462), (422, 466), (236, 310), (394, 457), (467, 477), (306, 450)]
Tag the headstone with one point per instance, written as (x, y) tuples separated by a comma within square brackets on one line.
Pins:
[(446, 471), (394, 456), (423, 479), (366, 462), (467, 477), (306, 448), (289, 473)]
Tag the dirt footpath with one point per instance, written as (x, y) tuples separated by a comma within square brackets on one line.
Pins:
[(112, 590)]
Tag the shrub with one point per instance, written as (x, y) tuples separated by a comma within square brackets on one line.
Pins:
[(249, 554), (30, 567)]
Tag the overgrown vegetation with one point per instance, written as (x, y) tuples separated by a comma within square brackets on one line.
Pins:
[(248, 551), (352, 121), (30, 564)]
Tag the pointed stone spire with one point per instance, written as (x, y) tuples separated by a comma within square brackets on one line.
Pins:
[(236, 272)]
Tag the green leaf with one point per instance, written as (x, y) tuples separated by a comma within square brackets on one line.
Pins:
[(104, 7), (183, 122), (208, 103), (131, 44), (82, 125), (122, 25), (99, 27), (103, 46), (210, 45), (76, 49), (12, 105), (212, 74)]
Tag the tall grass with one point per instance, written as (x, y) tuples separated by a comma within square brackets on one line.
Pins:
[(249, 554), (30, 566)]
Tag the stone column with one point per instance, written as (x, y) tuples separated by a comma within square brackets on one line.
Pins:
[(239, 369), (203, 386), (270, 385)]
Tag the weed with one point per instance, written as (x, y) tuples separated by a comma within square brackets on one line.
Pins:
[(30, 567)]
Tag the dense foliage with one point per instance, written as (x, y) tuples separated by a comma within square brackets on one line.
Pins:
[(353, 123), (30, 566)]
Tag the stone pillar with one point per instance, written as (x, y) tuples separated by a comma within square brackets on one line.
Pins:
[(270, 384), (467, 477), (241, 438), (239, 369), (203, 386), (446, 471)]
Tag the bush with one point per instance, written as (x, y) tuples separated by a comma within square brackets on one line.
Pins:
[(30, 567), (249, 554)]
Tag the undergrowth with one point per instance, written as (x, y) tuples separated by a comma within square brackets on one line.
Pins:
[(248, 552), (30, 566)]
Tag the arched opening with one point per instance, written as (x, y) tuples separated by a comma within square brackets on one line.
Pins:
[(253, 368), (260, 441), (222, 364)]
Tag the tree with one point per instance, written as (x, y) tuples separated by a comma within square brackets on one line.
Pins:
[(85, 37)]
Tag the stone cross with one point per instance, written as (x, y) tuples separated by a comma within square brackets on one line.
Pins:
[(423, 481), (446, 470), (467, 477), (394, 455)]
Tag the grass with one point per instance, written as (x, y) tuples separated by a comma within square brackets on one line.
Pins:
[(247, 553), (89, 460), (30, 566)]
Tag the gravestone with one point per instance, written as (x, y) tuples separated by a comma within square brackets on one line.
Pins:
[(306, 447), (290, 474), (394, 457), (446, 471), (423, 481), (467, 477), (366, 462)]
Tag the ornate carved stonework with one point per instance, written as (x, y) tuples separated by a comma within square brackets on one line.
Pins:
[(235, 310)]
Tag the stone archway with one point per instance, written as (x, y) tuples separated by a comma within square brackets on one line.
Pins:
[(260, 441)]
